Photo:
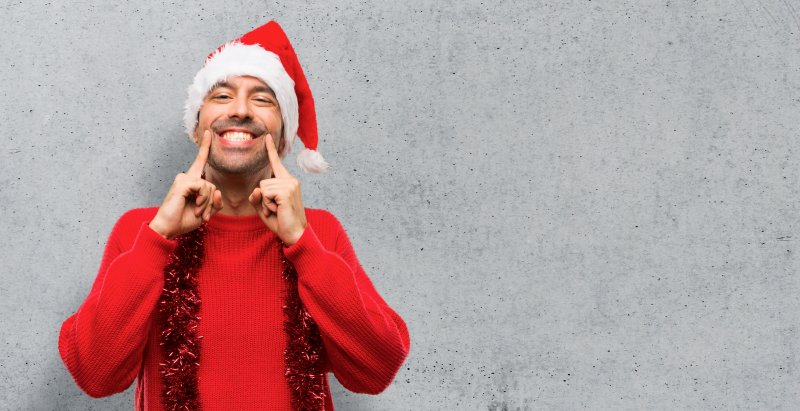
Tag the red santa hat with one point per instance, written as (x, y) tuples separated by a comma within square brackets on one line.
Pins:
[(267, 54)]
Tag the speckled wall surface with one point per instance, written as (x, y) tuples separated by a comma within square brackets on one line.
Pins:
[(574, 205)]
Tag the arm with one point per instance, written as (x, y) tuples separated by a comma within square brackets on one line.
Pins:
[(365, 340), (102, 344)]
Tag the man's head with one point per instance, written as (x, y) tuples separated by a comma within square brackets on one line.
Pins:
[(240, 112), (264, 55)]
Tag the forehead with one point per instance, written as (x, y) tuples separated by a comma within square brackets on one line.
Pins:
[(245, 83)]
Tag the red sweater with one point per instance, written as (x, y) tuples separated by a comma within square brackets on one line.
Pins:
[(113, 337)]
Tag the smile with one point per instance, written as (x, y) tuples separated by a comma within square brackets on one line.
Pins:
[(237, 136)]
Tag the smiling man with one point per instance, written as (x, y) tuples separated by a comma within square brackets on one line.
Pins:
[(231, 295)]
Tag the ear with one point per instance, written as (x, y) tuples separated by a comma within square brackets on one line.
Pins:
[(196, 137), (281, 144)]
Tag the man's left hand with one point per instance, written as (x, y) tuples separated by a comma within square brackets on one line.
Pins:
[(278, 200)]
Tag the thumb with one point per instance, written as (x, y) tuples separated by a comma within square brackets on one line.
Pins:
[(255, 200)]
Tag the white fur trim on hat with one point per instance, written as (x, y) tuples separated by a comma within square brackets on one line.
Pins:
[(237, 59), (311, 161)]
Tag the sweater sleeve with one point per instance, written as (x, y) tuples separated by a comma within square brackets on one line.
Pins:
[(102, 344), (365, 341)]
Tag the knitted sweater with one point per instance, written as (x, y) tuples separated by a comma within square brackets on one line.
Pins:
[(113, 338)]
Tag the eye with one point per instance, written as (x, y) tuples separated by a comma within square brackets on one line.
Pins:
[(221, 96), (264, 100)]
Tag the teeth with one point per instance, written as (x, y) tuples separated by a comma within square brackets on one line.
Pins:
[(237, 136)]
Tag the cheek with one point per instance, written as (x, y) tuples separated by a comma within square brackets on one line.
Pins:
[(207, 114), (272, 120), (275, 116)]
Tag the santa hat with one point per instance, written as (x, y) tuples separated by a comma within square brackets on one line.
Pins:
[(267, 54)]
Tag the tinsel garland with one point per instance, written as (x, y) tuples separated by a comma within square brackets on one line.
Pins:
[(304, 350), (179, 307)]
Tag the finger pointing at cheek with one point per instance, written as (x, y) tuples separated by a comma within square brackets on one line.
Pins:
[(196, 170), (274, 159)]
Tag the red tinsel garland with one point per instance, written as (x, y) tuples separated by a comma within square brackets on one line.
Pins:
[(303, 355), (179, 307)]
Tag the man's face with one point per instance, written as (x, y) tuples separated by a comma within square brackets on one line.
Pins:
[(239, 113)]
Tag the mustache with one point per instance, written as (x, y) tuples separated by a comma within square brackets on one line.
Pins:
[(246, 124)]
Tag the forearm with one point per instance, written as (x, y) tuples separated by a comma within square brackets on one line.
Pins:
[(103, 342), (365, 340)]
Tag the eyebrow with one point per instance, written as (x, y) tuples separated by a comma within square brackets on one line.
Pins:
[(256, 89)]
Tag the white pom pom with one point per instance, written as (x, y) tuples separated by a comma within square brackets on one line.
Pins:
[(311, 161)]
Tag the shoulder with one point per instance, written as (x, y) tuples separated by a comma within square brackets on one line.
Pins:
[(129, 224), (319, 215), (324, 223), (135, 217)]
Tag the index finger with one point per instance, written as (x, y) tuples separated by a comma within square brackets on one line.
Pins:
[(196, 170), (274, 159)]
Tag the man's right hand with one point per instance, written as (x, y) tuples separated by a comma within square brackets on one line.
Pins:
[(190, 201)]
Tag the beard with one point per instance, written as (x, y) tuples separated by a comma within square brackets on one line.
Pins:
[(242, 164)]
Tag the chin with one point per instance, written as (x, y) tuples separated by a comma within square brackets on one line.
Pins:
[(237, 169), (239, 166)]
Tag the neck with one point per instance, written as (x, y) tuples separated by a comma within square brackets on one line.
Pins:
[(236, 189)]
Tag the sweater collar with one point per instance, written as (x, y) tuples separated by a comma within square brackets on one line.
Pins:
[(236, 223)]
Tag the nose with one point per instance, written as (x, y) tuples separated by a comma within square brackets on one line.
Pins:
[(240, 108)]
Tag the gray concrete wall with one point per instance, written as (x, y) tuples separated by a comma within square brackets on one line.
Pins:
[(574, 205)]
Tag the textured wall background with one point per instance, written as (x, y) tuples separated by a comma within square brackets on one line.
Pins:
[(574, 205)]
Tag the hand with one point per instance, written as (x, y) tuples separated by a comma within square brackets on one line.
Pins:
[(190, 201), (278, 200)]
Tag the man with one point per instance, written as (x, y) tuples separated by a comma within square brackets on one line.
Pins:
[(231, 295)]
